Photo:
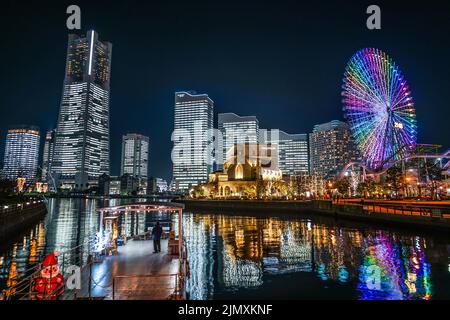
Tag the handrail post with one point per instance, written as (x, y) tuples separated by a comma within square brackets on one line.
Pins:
[(90, 276), (30, 290), (113, 288)]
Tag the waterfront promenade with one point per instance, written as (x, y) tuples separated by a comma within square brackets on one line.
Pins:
[(423, 214), (16, 217), (133, 273)]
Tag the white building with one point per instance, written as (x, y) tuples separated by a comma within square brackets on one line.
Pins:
[(236, 130), (82, 135), (21, 153), (135, 151), (293, 153), (192, 161)]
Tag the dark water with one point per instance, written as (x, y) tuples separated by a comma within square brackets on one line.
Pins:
[(265, 257)]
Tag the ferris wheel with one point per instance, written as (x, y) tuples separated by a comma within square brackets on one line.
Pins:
[(379, 109)]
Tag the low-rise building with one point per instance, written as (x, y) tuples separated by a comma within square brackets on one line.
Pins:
[(250, 171), (114, 185), (157, 185)]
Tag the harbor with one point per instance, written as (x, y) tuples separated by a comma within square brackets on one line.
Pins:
[(226, 255)]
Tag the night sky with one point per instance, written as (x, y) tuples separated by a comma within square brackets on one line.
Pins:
[(282, 61)]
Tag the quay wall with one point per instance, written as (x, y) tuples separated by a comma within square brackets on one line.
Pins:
[(15, 218), (354, 212)]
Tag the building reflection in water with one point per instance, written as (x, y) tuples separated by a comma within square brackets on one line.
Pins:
[(69, 223), (232, 252), (227, 253), (395, 269)]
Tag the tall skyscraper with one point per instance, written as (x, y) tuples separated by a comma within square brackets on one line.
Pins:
[(191, 156), (47, 156), (293, 153), (237, 130), (135, 155), (82, 136), (21, 153), (331, 148)]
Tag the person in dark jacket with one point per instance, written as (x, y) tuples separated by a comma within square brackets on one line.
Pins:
[(156, 236)]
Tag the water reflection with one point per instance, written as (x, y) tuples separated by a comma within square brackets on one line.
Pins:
[(229, 253), (395, 269), (70, 223)]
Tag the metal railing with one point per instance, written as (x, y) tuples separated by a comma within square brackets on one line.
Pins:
[(409, 209), (18, 207), (24, 288)]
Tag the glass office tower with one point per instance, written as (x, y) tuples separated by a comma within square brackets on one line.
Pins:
[(331, 148), (191, 156), (293, 153), (47, 156), (21, 153), (82, 135), (135, 155), (237, 130)]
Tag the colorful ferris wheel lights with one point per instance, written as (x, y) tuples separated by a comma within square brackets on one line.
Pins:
[(379, 108)]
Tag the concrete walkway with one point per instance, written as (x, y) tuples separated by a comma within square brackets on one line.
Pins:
[(135, 261)]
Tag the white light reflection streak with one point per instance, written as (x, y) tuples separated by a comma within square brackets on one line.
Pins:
[(91, 52)]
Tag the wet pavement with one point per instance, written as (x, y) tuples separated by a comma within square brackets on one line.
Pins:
[(139, 274)]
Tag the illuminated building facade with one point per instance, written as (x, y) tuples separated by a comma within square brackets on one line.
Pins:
[(21, 153), (247, 165), (293, 153), (135, 152), (82, 136), (47, 156), (331, 148), (252, 161), (158, 185), (236, 130), (192, 131)]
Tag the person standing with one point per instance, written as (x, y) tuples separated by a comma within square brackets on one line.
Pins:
[(156, 236)]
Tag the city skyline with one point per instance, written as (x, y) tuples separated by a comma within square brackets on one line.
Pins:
[(293, 90), (224, 151)]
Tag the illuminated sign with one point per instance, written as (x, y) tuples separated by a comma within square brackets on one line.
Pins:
[(23, 131)]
